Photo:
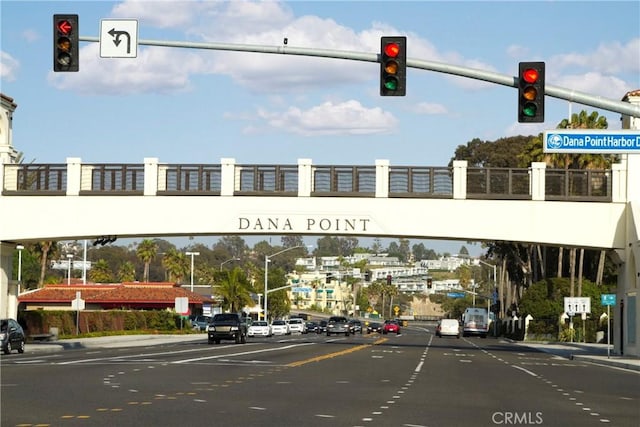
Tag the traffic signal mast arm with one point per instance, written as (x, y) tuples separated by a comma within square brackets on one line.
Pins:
[(501, 79)]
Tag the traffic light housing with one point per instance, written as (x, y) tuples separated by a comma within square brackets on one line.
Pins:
[(531, 92), (393, 66), (389, 279), (429, 283), (65, 43)]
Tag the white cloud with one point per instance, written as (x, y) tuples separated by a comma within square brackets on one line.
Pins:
[(329, 118), (8, 67), (429, 108), (30, 35)]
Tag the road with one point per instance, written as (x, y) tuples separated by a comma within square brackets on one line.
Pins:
[(413, 379)]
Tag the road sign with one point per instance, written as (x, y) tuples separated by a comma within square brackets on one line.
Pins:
[(608, 299), (455, 294), (591, 141), (118, 38), (577, 305), (182, 305)]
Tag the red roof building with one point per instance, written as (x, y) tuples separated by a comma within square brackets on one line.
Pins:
[(128, 296)]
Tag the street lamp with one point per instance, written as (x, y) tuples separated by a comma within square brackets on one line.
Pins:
[(229, 260), (267, 259), (19, 248), (495, 283), (70, 258), (192, 254)]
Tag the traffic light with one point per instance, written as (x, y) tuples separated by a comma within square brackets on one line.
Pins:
[(65, 43), (389, 279), (531, 92), (393, 66), (429, 283)]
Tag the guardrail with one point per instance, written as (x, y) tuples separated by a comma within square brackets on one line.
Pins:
[(305, 179)]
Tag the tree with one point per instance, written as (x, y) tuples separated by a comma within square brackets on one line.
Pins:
[(234, 245), (101, 272), (46, 250), (127, 272), (177, 265), (234, 288), (146, 252)]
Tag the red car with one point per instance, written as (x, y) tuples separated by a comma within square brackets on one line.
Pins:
[(391, 326)]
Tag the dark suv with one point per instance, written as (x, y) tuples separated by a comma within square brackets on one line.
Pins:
[(338, 325), (227, 326), (11, 336)]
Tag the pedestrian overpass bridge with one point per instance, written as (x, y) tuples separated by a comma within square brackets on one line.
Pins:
[(570, 208)]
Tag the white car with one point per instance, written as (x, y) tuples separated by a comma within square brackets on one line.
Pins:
[(296, 325), (448, 327), (259, 329), (280, 327)]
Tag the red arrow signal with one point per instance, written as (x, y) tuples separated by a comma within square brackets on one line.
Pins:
[(64, 27)]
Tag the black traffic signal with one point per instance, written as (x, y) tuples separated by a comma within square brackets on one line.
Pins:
[(65, 43), (367, 276), (429, 283), (389, 279), (393, 66), (531, 92)]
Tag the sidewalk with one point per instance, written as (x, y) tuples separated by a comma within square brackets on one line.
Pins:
[(111, 342), (593, 353)]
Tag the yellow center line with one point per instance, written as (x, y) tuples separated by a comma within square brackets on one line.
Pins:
[(336, 354)]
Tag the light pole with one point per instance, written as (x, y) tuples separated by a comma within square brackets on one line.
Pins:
[(192, 254), (267, 259), (19, 248), (229, 260), (70, 258)]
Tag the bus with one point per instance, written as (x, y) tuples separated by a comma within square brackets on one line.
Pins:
[(475, 321)]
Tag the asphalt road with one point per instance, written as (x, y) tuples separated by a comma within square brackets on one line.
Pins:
[(411, 380)]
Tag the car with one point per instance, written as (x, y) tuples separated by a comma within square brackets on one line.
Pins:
[(227, 326), (310, 327), (296, 325), (338, 325), (12, 336), (200, 322), (280, 327), (322, 327), (355, 326), (391, 326), (448, 327), (374, 327), (259, 328)]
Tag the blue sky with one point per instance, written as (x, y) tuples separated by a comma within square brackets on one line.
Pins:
[(193, 106)]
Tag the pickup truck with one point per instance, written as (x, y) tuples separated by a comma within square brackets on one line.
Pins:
[(227, 326)]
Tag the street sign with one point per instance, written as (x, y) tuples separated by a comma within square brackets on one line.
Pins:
[(182, 305), (591, 141), (118, 38), (577, 305), (608, 299), (455, 294)]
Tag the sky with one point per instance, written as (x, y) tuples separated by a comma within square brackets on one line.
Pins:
[(199, 106)]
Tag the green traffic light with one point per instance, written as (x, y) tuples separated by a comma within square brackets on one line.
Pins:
[(529, 110), (391, 83)]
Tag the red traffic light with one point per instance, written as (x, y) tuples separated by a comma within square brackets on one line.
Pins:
[(393, 66), (66, 42), (392, 49), (530, 75), (64, 27)]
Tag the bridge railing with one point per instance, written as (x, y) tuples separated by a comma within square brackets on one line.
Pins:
[(308, 180)]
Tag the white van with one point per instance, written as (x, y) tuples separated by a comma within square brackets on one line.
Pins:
[(475, 321), (448, 327)]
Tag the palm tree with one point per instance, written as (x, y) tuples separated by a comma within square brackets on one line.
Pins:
[(101, 272), (176, 264), (146, 251), (127, 272), (46, 250), (235, 290)]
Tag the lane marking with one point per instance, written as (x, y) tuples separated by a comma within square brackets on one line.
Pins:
[(336, 354)]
